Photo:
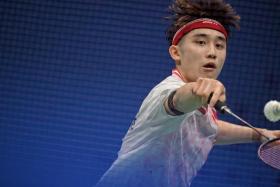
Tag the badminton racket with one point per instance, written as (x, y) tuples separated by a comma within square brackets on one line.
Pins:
[(269, 151)]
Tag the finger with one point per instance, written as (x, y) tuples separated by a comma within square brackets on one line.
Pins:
[(223, 97), (218, 92), (271, 134), (277, 133), (197, 85), (204, 90)]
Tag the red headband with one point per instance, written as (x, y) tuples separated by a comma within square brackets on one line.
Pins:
[(196, 24)]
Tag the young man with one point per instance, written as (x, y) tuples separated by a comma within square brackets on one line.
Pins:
[(176, 126)]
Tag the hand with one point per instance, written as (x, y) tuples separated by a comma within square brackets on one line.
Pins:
[(204, 87), (270, 134)]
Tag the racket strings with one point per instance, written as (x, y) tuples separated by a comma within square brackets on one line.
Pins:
[(270, 154)]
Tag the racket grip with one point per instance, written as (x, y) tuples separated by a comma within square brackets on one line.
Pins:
[(219, 106)]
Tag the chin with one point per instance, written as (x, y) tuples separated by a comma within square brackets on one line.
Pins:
[(209, 76)]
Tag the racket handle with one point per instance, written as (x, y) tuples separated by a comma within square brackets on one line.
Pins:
[(222, 107)]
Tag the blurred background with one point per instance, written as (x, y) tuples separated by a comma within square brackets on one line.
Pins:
[(73, 74)]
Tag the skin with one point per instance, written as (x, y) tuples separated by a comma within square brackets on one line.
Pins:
[(199, 57), (195, 50)]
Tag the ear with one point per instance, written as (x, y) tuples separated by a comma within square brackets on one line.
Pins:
[(175, 54)]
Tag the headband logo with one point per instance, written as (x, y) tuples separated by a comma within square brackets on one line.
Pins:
[(210, 22)]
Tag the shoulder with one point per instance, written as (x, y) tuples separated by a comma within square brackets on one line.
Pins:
[(161, 91), (168, 84)]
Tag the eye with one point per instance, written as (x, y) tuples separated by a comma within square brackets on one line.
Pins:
[(200, 42), (220, 46)]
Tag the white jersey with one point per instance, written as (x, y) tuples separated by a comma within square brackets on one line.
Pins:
[(160, 150)]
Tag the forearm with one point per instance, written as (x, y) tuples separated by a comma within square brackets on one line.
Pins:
[(193, 95), (229, 133)]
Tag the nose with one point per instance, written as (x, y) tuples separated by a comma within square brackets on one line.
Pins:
[(211, 53)]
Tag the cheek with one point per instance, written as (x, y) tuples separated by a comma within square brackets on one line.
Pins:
[(192, 56), (222, 59), (190, 61)]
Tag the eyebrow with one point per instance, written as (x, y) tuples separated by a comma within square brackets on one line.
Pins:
[(205, 35)]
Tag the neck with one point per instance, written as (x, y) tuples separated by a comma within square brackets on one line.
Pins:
[(179, 74)]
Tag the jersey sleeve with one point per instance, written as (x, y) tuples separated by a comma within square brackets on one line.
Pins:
[(152, 111)]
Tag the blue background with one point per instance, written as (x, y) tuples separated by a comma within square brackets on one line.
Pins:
[(74, 73)]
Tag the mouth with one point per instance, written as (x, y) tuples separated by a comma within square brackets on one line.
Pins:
[(210, 66)]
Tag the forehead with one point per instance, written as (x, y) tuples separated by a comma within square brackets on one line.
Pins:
[(210, 33)]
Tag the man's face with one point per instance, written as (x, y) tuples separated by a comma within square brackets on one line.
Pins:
[(201, 53)]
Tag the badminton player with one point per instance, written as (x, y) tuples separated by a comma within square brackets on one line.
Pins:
[(177, 126)]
